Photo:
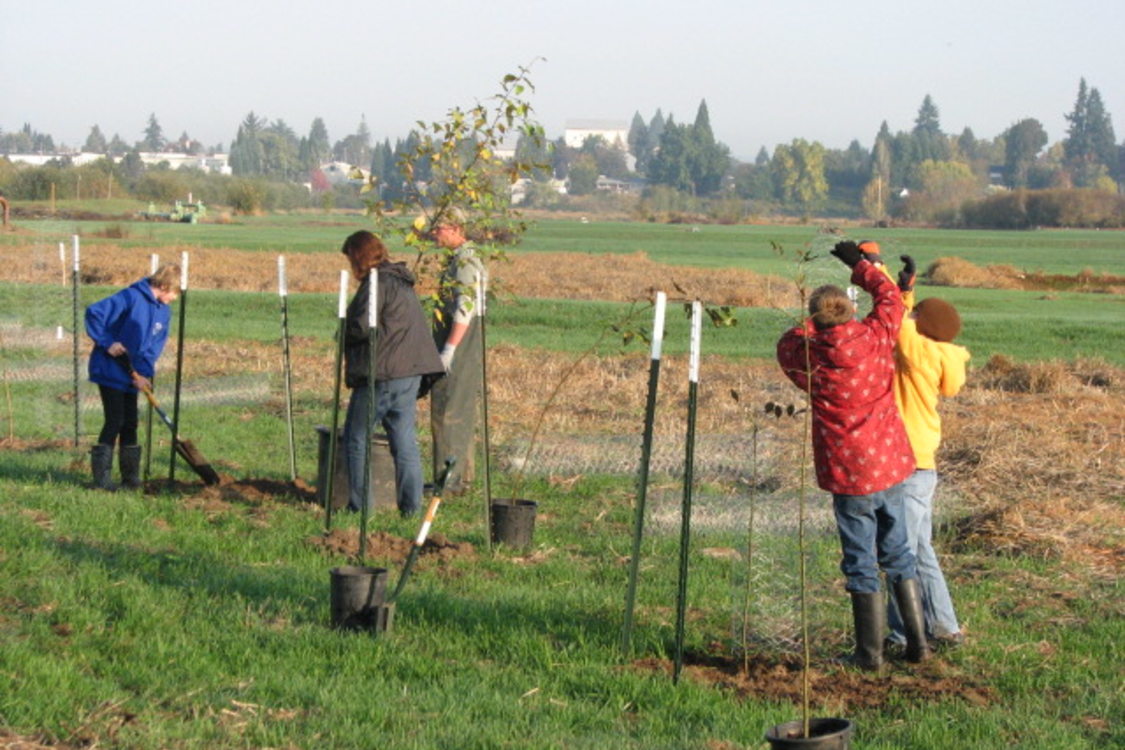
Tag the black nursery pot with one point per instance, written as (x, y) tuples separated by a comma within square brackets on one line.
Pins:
[(824, 734), (358, 598), (513, 522)]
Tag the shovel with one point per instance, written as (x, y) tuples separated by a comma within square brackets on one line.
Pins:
[(435, 501), (184, 448)]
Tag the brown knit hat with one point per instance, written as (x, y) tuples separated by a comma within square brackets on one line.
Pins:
[(937, 319)]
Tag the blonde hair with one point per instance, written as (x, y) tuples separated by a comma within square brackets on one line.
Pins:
[(166, 276)]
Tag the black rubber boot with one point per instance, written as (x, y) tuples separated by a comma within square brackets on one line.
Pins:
[(101, 464), (129, 461), (908, 597), (868, 613)]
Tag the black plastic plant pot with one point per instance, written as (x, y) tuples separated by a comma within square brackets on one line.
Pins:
[(824, 734), (358, 596), (513, 522)]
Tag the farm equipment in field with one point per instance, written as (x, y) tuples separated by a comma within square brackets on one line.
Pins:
[(185, 213)]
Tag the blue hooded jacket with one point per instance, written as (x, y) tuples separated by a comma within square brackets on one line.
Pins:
[(139, 321)]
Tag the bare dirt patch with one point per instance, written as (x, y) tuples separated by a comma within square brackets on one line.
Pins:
[(384, 546), (834, 688)]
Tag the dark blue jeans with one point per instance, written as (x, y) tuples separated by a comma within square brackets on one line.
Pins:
[(873, 537), (395, 404)]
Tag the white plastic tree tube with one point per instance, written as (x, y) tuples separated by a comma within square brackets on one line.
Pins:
[(696, 334), (282, 290), (343, 303), (183, 271), (658, 324)]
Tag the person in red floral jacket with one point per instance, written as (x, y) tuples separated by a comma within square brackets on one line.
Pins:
[(860, 447)]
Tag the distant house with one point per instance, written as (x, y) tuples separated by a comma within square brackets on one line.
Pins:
[(610, 185), (208, 163), (340, 172), (615, 132), (218, 163)]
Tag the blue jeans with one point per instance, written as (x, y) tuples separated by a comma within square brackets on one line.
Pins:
[(873, 536), (937, 606), (395, 403)]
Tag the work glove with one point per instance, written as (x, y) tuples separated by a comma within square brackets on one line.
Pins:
[(871, 251), (447, 356), (908, 273), (848, 253)]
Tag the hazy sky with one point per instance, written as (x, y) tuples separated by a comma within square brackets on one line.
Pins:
[(826, 70)]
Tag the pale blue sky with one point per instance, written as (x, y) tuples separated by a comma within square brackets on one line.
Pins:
[(822, 70)]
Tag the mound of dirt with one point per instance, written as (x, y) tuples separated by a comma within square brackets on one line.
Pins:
[(954, 271), (836, 688), (384, 546)]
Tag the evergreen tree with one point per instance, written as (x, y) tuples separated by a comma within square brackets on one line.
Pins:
[(655, 131), (154, 135), (639, 142), (319, 147), (246, 154), (1077, 142), (929, 141), (117, 146), (1089, 146), (1100, 130), (95, 142)]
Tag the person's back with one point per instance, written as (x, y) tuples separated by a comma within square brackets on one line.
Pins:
[(859, 442), (860, 447)]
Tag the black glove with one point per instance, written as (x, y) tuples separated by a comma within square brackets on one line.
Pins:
[(848, 253), (908, 273)]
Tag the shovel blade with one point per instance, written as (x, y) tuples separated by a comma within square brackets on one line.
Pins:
[(196, 461)]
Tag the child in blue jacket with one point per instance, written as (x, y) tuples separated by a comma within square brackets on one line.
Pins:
[(133, 321)]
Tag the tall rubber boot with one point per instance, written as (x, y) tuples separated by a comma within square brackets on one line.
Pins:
[(101, 464), (129, 461), (867, 611), (908, 597)]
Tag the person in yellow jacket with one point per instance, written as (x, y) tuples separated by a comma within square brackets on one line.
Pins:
[(928, 366)]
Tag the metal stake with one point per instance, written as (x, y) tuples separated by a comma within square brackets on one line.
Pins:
[(74, 323), (153, 265), (482, 296), (642, 478), (689, 472), (283, 292), (179, 366), (331, 470), (372, 340)]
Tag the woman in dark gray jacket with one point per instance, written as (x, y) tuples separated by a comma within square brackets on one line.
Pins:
[(404, 353)]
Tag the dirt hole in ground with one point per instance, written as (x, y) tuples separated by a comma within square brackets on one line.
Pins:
[(381, 545), (835, 688)]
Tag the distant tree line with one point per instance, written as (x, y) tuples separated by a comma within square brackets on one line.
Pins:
[(921, 175)]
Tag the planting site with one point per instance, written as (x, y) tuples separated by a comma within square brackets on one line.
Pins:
[(1030, 523)]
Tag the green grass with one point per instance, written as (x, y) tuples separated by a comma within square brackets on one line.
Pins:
[(144, 622), (712, 246), (1024, 326), (161, 622)]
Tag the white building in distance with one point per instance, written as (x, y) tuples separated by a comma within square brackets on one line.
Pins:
[(615, 132)]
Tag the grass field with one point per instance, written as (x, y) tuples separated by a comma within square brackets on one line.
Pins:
[(193, 618)]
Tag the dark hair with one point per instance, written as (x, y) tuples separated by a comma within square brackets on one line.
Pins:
[(829, 306), (364, 250)]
